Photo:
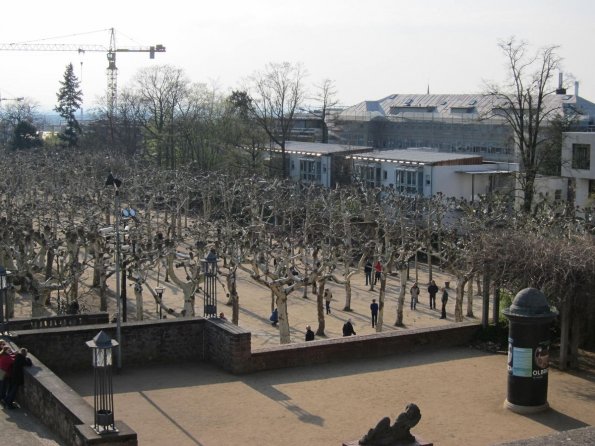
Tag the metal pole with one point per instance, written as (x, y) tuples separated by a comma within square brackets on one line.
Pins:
[(118, 299)]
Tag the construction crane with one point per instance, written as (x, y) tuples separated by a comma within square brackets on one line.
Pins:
[(111, 51), (11, 99)]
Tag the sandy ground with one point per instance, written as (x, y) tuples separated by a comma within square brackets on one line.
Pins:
[(460, 391)]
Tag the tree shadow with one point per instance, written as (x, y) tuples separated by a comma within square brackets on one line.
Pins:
[(268, 390)]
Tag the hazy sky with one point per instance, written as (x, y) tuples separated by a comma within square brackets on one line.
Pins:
[(370, 48)]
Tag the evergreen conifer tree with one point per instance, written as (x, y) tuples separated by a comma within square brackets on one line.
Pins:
[(70, 98)]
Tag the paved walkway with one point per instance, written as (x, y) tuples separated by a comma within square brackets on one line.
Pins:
[(19, 428), (460, 391)]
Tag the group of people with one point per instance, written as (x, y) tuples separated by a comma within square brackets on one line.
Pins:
[(12, 365), (348, 329), (432, 291), (376, 267)]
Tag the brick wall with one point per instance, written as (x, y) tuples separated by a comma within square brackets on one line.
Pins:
[(183, 340), (64, 411), (143, 343), (356, 347)]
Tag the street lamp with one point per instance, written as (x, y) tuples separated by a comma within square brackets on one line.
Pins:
[(103, 393), (159, 290), (125, 215), (3, 290), (116, 183), (210, 284)]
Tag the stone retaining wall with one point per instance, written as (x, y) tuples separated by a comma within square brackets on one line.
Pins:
[(64, 411), (185, 340), (144, 342), (58, 321), (360, 347)]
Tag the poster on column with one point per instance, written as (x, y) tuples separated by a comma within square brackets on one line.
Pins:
[(522, 362)]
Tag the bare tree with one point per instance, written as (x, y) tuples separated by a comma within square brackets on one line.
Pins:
[(276, 93), (524, 103), (326, 98)]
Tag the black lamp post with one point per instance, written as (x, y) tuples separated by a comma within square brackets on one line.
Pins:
[(116, 183), (125, 215), (103, 394), (209, 265)]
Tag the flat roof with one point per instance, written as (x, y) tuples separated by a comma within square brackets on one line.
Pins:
[(318, 148), (413, 156), (484, 172)]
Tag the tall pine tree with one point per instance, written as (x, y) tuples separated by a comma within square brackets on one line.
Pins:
[(70, 98)]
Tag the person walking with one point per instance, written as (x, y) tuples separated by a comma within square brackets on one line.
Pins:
[(374, 311), (378, 271), (309, 334), (433, 290), (328, 296), (368, 272), (274, 317), (348, 328), (444, 301), (414, 295)]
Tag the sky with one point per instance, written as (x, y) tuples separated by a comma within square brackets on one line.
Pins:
[(369, 48)]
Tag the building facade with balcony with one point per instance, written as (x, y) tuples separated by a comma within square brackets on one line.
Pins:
[(578, 166)]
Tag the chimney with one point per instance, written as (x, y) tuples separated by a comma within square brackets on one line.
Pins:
[(576, 88), (561, 89)]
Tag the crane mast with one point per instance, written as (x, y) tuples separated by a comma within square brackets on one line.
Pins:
[(111, 50)]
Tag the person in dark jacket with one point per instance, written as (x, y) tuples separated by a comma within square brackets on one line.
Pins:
[(17, 377), (368, 272), (309, 333), (374, 311), (433, 290), (444, 300), (348, 328), (274, 317)]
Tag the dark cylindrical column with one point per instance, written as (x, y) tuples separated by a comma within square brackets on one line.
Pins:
[(530, 318)]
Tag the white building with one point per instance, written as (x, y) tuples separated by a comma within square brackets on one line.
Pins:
[(578, 153), (426, 172), (323, 164)]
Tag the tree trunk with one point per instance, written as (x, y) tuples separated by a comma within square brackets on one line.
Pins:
[(401, 299), (281, 299), (496, 306), (575, 337), (347, 306), (381, 295), (138, 294), (485, 309), (460, 290), (470, 298), (429, 253), (320, 308)]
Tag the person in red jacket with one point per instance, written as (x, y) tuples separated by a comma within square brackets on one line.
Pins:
[(17, 378), (378, 271), (6, 361)]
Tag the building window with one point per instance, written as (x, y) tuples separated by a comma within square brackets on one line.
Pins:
[(409, 181), (310, 170), (581, 156), (592, 189), (369, 175)]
